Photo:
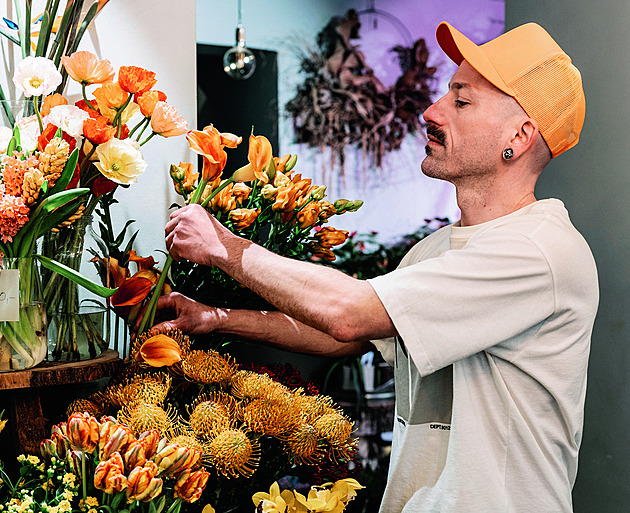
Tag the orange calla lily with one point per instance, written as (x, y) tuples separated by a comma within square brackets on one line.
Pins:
[(143, 262), (159, 351), (132, 292)]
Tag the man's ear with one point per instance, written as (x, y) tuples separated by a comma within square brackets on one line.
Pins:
[(523, 137)]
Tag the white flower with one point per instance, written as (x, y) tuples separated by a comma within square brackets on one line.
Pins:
[(5, 136), (29, 132), (69, 118), (120, 161), (36, 76)]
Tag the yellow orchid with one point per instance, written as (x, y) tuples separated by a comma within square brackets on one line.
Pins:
[(320, 501), (348, 488)]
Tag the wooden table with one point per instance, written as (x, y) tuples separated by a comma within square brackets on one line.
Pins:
[(22, 394)]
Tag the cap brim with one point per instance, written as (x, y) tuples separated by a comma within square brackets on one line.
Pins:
[(459, 48)]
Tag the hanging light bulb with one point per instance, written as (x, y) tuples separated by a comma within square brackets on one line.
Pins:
[(239, 62)]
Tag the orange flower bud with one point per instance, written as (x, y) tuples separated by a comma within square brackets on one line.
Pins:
[(109, 474), (320, 251), (142, 485), (175, 458), (243, 217), (62, 443), (48, 449), (329, 237), (83, 432), (136, 80), (190, 485)]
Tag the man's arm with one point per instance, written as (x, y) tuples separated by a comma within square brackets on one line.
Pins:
[(343, 307), (273, 328)]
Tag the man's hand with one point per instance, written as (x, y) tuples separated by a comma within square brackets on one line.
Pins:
[(195, 235), (184, 314)]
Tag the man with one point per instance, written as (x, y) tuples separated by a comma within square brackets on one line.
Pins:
[(487, 323)]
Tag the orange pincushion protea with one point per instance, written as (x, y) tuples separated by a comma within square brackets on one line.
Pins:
[(141, 417), (209, 415), (234, 454), (208, 366), (303, 445), (275, 418)]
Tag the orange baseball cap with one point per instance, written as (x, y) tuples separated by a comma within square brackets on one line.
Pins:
[(528, 64)]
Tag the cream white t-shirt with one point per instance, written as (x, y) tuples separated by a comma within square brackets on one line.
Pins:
[(494, 324)]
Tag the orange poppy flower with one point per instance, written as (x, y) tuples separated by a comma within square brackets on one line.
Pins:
[(83, 105), (48, 135), (166, 122), (159, 351), (97, 130), (110, 98), (147, 101), (52, 100), (86, 68), (208, 145), (136, 80)]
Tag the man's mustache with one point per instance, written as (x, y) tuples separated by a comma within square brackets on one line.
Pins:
[(435, 132)]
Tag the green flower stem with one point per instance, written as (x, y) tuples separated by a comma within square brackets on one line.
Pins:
[(148, 138), (88, 102), (116, 120), (144, 122), (38, 113), (83, 476)]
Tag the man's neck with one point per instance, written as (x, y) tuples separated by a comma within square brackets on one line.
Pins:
[(481, 206)]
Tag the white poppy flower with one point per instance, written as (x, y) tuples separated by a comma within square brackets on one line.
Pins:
[(69, 118), (5, 136), (36, 76), (120, 161), (29, 132)]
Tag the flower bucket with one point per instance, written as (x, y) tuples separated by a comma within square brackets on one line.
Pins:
[(76, 318), (23, 340)]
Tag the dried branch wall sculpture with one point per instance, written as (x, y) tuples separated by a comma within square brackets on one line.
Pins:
[(342, 103)]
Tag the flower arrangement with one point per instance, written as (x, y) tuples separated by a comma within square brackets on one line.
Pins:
[(249, 428), (100, 465)]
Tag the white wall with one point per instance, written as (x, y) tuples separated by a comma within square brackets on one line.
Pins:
[(397, 197), (158, 36)]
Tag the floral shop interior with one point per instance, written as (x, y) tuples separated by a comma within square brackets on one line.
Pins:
[(297, 126)]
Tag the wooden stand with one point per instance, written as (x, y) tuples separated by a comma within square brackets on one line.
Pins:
[(22, 394)]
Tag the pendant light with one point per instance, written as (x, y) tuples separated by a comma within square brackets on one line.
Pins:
[(239, 62)]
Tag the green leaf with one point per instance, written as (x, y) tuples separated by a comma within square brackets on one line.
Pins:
[(62, 213), (43, 35), (123, 233), (86, 21), (67, 173), (61, 198), (75, 276)]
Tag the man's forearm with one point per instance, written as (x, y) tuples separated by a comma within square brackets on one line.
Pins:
[(321, 297), (281, 331)]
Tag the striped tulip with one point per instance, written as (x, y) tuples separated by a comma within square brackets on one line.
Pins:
[(142, 485), (190, 485), (83, 432), (150, 440), (174, 459), (116, 440), (109, 474), (135, 455)]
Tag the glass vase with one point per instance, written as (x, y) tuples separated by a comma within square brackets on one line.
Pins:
[(23, 340), (77, 320)]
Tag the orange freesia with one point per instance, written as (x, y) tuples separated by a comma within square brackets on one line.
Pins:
[(98, 130), (208, 145), (52, 100), (286, 199), (86, 68), (136, 80), (308, 216), (159, 351), (243, 217), (147, 101), (166, 122), (224, 200)]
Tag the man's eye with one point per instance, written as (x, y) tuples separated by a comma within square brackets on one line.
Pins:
[(459, 103)]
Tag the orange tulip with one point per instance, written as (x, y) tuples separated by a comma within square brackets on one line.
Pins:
[(109, 475), (97, 130), (62, 443), (190, 485), (150, 440), (147, 101), (259, 156), (208, 144), (175, 458), (83, 432), (166, 122), (135, 455), (86, 68), (52, 100), (136, 80), (142, 485), (117, 441), (159, 351), (243, 217)]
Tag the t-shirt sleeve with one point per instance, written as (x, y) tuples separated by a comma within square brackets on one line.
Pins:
[(465, 301)]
